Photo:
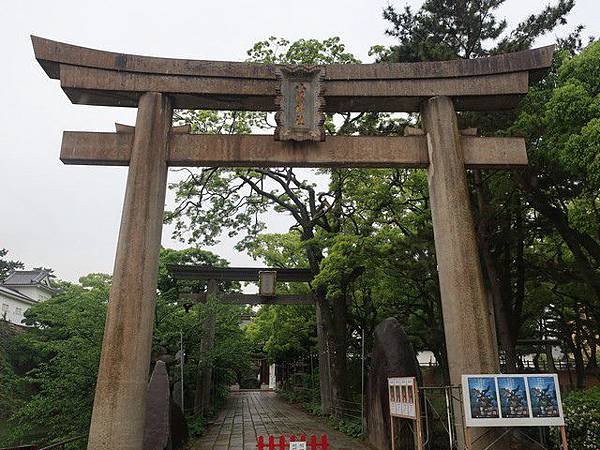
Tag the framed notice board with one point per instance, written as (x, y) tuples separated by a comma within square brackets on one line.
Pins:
[(512, 400)]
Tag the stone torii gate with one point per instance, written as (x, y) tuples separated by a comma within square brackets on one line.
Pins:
[(157, 85)]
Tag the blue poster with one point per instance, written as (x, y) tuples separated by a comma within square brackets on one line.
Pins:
[(513, 397), (483, 398), (542, 391)]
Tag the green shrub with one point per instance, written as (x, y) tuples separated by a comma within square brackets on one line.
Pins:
[(220, 395), (582, 419), (350, 427), (196, 425), (313, 408), (289, 395)]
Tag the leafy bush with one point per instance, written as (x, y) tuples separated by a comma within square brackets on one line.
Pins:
[(220, 395), (60, 353), (350, 427), (582, 418), (8, 378), (196, 425), (290, 395), (313, 408), (250, 383)]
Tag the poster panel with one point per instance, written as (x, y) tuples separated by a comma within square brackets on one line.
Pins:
[(483, 398), (513, 397), (504, 400), (545, 396), (403, 397)]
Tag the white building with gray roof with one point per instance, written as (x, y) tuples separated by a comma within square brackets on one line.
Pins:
[(20, 290)]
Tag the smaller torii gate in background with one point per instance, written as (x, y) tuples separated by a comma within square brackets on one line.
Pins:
[(213, 276), (300, 95)]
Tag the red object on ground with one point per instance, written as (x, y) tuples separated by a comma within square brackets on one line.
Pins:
[(283, 444)]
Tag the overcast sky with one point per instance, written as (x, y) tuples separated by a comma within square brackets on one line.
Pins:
[(67, 217)]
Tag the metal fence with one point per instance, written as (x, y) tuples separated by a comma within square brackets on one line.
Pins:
[(542, 365), (439, 416)]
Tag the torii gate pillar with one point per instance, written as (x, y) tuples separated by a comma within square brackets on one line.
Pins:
[(468, 324), (119, 405)]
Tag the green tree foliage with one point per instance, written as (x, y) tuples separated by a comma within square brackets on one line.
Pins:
[(7, 266), (560, 120), (231, 353), (48, 371), (60, 355), (9, 381), (284, 333), (451, 29), (239, 200)]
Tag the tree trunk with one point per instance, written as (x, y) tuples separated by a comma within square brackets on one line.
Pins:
[(205, 368), (579, 369), (578, 353), (593, 362), (341, 349), (551, 367), (337, 358), (324, 360), (503, 314), (333, 322)]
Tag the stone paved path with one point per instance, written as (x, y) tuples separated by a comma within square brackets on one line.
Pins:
[(252, 413)]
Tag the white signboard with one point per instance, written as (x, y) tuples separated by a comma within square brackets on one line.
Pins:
[(501, 400), (297, 445), (403, 397)]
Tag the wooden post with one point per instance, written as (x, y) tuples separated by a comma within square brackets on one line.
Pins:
[(119, 404), (563, 438), (468, 438), (393, 432), (418, 423), (468, 323)]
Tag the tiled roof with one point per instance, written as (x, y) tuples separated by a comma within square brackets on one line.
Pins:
[(25, 277)]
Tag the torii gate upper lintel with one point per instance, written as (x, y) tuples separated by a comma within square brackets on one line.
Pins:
[(157, 85)]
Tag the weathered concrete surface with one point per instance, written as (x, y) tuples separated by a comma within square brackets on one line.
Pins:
[(97, 77), (393, 356), (263, 151), (119, 405), (51, 54), (157, 429), (468, 323), (250, 414), (195, 272), (85, 85)]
